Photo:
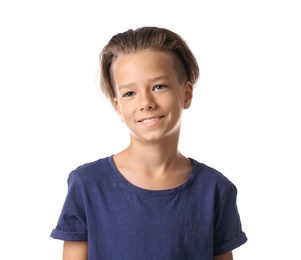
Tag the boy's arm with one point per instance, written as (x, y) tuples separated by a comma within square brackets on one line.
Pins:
[(75, 250), (227, 256)]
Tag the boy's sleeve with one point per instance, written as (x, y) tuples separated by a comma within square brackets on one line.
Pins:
[(228, 233), (71, 225)]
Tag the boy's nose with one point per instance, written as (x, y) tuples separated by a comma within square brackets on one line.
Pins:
[(147, 102)]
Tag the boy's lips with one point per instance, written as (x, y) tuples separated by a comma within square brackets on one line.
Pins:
[(149, 119)]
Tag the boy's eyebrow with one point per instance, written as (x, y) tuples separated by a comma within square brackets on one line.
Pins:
[(129, 85), (125, 86), (161, 77)]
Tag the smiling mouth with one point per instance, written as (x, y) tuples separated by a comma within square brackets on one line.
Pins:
[(150, 120)]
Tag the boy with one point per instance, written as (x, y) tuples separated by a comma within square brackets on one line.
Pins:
[(149, 201)]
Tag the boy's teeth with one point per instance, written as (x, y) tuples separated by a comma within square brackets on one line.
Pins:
[(149, 120)]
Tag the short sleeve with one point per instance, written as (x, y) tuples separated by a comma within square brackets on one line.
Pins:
[(228, 233), (72, 225)]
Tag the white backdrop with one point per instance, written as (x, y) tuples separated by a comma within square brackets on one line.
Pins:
[(244, 121)]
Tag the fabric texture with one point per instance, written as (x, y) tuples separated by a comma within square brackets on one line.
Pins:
[(196, 220)]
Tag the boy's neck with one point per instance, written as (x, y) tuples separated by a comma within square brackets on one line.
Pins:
[(153, 166)]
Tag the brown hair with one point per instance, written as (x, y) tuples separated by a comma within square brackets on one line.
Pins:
[(145, 38)]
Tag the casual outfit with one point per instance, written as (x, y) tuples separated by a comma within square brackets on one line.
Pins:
[(120, 221)]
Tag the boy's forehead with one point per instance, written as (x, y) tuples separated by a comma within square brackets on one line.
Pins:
[(146, 64), (143, 65)]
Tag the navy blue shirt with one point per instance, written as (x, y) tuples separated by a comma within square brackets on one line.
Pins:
[(196, 220)]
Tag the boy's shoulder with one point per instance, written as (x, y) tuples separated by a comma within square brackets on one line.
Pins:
[(209, 174), (93, 164), (92, 168)]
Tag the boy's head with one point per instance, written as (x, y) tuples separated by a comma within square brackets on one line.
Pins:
[(150, 39)]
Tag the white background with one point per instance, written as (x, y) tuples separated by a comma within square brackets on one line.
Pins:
[(244, 121)]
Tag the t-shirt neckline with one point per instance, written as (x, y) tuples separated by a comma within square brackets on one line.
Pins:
[(152, 193)]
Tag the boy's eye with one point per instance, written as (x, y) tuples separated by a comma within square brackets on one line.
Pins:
[(128, 94), (159, 87)]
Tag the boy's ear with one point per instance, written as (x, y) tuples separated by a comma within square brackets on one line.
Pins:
[(117, 107), (188, 94)]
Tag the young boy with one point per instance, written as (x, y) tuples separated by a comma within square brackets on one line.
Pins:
[(149, 201)]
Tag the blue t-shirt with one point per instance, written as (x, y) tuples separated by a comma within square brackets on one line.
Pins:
[(120, 221)]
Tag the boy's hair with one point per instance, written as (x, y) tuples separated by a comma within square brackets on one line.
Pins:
[(145, 38)]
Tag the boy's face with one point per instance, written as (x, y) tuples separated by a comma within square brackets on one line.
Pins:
[(150, 99)]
